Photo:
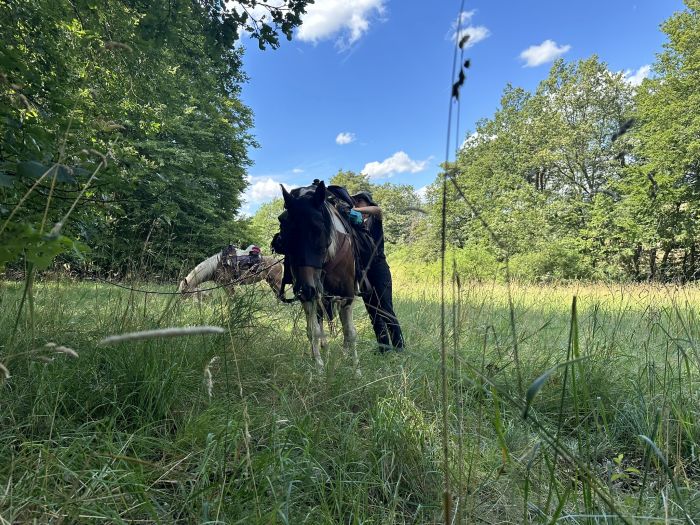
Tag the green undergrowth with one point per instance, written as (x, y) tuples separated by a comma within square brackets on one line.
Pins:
[(242, 428)]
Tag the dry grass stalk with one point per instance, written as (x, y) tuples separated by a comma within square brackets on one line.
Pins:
[(208, 379), (162, 332)]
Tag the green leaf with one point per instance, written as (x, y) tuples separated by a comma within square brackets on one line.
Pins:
[(498, 426), (40, 249), (538, 383), (669, 473)]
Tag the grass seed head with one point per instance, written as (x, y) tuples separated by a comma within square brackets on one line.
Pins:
[(208, 379), (68, 351)]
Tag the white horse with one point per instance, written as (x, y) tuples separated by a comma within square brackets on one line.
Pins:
[(224, 269)]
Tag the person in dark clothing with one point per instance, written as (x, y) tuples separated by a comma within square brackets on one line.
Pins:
[(378, 300)]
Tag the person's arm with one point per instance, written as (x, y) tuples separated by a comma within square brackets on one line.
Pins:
[(375, 211)]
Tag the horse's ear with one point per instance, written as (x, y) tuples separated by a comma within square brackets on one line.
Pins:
[(320, 194), (286, 195)]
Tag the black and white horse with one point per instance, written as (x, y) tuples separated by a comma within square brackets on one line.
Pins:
[(319, 255)]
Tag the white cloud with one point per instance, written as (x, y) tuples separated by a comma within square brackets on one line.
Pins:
[(399, 162), (635, 79), (349, 18), (422, 193), (345, 138), (261, 190), (462, 27), (297, 171), (547, 51)]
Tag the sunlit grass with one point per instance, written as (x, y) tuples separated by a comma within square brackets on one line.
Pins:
[(130, 432)]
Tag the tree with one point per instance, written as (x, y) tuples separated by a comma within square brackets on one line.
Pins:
[(353, 182), (667, 184), (581, 108), (145, 96), (400, 211), (528, 178), (264, 223)]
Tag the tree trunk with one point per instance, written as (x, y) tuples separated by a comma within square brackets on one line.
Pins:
[(664, 265), (635, 261), (652, 264), (692, 274)]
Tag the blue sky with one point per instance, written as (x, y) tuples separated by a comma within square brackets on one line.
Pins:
[(365, 84)]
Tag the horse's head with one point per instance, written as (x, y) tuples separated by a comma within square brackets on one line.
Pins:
[(306, 229), (228, 256)]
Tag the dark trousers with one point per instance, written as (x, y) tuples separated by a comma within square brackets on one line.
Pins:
[(380, 306)]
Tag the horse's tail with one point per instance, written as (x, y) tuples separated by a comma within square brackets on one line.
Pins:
[(204, 271)]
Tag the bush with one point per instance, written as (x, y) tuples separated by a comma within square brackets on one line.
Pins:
[(560, 259), (474, 261)]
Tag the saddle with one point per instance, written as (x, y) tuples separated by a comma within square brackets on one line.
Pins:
[(241, 260), (362, 243)]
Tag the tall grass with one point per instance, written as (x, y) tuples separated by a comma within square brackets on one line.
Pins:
[(159, 431)]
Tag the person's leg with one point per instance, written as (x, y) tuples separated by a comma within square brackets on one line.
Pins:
[(386, 305), (378, 324)]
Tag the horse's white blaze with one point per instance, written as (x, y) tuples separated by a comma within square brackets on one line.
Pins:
[(204, 271)]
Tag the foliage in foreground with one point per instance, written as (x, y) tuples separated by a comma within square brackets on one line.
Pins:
[(163, 431), (138, 105)]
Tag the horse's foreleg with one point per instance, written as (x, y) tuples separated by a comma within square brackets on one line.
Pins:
[(323, 335), (349, 333), (313, 331)]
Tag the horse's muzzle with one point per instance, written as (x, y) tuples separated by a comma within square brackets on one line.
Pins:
[(307, 283)]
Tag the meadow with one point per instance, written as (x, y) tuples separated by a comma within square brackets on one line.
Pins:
[(242, 428)]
